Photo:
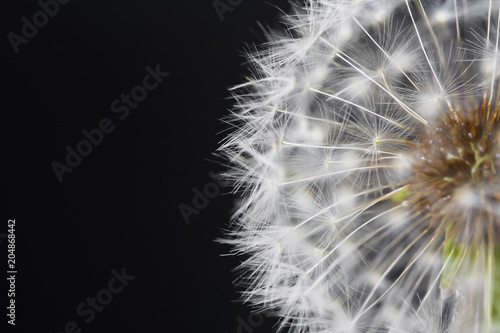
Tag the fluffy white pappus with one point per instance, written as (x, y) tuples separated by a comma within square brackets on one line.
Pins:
[(365, 148)]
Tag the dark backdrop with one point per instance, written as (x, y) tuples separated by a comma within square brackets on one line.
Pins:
[(107, 227)]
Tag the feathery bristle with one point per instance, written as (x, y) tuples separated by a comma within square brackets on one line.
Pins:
[(366, 148)]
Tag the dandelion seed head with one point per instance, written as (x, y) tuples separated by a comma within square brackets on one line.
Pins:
[(366, 150), (455, 177)]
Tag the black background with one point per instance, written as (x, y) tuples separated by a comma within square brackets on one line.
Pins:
[(119, 207)]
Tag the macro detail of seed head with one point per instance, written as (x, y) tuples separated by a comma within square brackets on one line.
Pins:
[(454, 178), (365, 148)]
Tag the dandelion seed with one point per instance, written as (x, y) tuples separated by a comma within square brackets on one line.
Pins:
[(366, 149)]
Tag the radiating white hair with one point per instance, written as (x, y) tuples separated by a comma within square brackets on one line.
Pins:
[(365, 146)]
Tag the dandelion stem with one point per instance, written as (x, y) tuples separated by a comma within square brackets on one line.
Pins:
[(488, 27), (405, 107), (336, 147), (350, 235), (422, 45), (494, 74), (383, 51), (311, 118), (356, 105), (456, 20), (337, 173), (335, 204), (402, 274), (433, 34)]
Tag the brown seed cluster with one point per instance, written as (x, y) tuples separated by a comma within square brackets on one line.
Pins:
[(455, 176)]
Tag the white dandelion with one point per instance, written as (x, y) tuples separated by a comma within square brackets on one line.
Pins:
[(366, 150)]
